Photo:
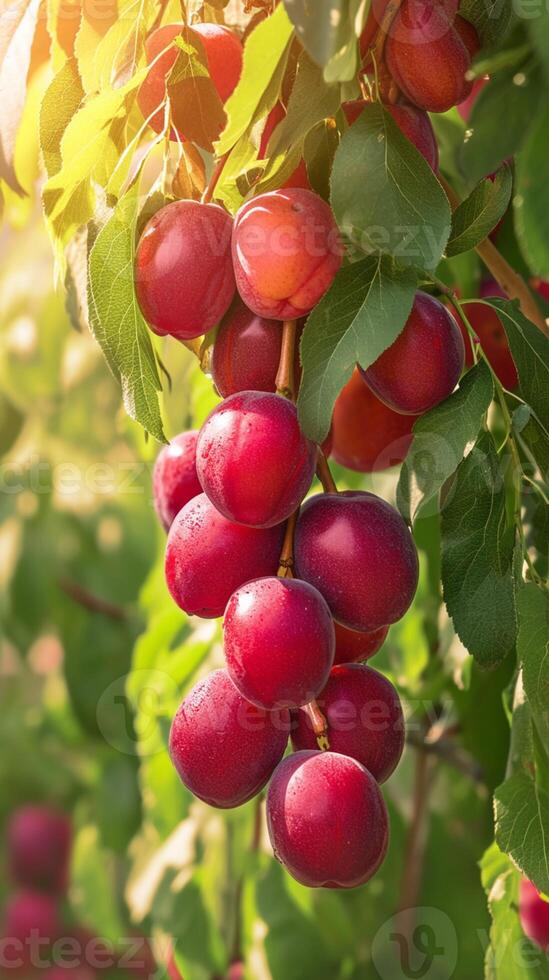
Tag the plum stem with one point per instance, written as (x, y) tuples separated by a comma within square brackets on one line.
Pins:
[(285, 381), (286, 561), (324, 473), (510, 281), (385, 84), (319, 725), (212, 183), (193, 345), (389, 14)]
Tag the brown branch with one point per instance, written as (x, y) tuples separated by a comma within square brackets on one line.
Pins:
[(416, 841), (447, 751), (88, 600), (286, 561), (324, 473), (212, 183), (285, 381), (510, 281)]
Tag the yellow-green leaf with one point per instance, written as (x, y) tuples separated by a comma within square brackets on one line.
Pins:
[(265, 56), (60, 103)]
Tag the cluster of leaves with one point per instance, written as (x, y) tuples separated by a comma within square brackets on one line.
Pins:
[(473, 487)]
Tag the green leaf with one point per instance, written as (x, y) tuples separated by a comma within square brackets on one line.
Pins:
[(93, 872), (530, 350), (294, 948), (538, 30), (61, 101), (362, 313), (196, 109), (385, 196), (116, 320), (479, 214), (441, 437), (235, 181), (520, 418), (318, 152), (500, 120), (118, 802), (491, 18), (521, 807), (533, 653), (198, 942), (265, 57), (532, 198), (477, 556), (328, 30), (92, 141), (310, 103), (536, 438), (511, 955)]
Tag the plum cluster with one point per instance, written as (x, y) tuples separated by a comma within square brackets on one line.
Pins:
[(307, 586), (307, 590)]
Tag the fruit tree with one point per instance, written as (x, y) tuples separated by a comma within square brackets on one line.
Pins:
[(275, 284)]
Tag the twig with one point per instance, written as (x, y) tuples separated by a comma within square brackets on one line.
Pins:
[(446, 750), (415, 842), (285, 381), (286, 561), (212, 183), (90, 601), (510, 281), (324, 473)]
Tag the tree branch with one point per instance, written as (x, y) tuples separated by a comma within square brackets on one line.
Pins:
[(447, 751), (90, 601), (416, 840)]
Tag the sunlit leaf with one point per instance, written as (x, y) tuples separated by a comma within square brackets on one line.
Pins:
[(59, 105), (17, 27), (116, 319), (196, 109), (265, 56)]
